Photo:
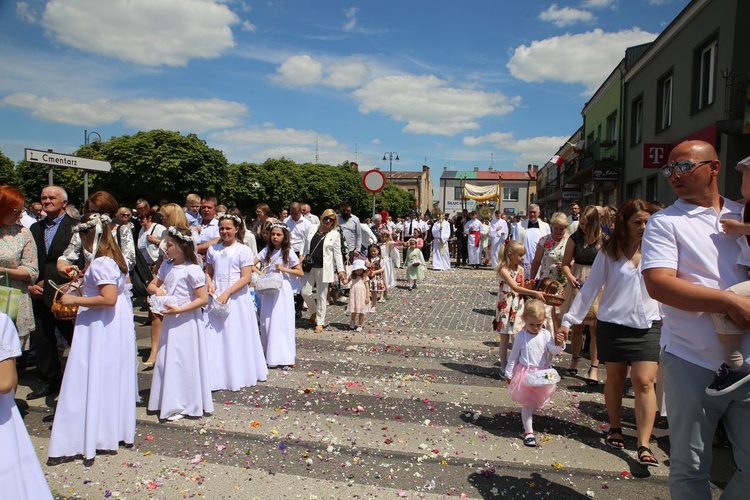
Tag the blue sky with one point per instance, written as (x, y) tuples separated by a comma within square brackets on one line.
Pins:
[(453, 84)]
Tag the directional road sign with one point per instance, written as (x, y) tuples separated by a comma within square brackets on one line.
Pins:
[(61, 160)]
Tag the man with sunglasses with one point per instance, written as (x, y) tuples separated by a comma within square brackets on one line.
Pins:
[(688, 262), (351, 229)]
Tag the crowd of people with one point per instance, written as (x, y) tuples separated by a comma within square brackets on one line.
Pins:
[(661, 291)]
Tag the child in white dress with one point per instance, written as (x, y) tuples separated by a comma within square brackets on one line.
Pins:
[(21, 476), (96, 409), (277, 328), (359, 295), (386, 246), (235, 353), (180, 386), (532, 349)]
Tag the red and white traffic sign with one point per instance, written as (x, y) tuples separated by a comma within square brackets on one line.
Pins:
[(373, 181)]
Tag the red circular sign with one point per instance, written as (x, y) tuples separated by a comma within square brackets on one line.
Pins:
[(373, 181)]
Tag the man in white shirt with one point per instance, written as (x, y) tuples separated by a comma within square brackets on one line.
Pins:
[(688, 262), (575, 213), (498, 235), (529, 232), (207, 233), (407, 231), (298, 227), (307, 214), (473, 229)]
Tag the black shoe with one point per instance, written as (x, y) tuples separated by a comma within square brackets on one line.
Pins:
[(727, 380), (41, 393), (49, 419)]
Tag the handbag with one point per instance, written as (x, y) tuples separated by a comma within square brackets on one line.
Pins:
[(268, 282), (217, 308), (540, 377), (10, 298), (307, 265), (140, 275)]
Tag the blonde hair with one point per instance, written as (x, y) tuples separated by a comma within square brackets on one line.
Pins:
[(330, 213), (593, 233), (513, 247), (560, 219), (173, 215), (192, 199), (534, 308)]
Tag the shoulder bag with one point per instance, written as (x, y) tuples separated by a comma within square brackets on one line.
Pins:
[(10, 298)]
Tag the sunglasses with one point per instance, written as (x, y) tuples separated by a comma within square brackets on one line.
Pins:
[(329, 219), (125, 216), (681, 167)]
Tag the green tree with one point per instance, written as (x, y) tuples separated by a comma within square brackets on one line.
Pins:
[(398, 202), (33, 177), (158, 164), (7, 170)]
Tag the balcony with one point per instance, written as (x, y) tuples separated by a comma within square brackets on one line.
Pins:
[(604, 154), (549, 189)]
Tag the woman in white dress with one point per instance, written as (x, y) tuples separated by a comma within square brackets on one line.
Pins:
[(235, 353), (180, 386), (21, 476), (96, 409), (441, 233), (277, 329)]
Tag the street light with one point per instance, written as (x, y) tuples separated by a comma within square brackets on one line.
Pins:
[(86, 136), (389, 155)]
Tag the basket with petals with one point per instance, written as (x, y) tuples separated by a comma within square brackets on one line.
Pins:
[(554, 294), (60, 311)]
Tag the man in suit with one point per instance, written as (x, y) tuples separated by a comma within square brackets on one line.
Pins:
[(52, 236)]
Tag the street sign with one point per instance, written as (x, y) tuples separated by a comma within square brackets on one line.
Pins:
[(373, 181), (70, 161)]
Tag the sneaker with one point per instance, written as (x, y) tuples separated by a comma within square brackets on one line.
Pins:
[(175, 417), (359, 328), (727, 380), (529, 440)]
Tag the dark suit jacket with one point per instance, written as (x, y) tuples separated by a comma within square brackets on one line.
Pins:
[(48, 260)]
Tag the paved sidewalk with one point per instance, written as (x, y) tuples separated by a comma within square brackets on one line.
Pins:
[(412, 407)]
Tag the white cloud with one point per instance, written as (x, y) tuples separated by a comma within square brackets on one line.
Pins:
[(430, 105), (168, 32), (299, 71), (267, 134), (248, 26), (351, 18), (565, 16), (585, 58), (26, 13), (598, 4), (347, 74), (187, 115), (658, 2), (375, 142), (531, 150)]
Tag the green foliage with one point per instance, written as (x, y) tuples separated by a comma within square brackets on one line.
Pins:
[(158, 164), (7, 170), (33, 177), (398, 202)]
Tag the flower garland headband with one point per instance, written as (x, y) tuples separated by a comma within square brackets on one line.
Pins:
[(231, 217), (280, 226), (94, 220), (178, 234)]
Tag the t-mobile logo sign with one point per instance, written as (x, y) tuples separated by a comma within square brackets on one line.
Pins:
[(655, 155)]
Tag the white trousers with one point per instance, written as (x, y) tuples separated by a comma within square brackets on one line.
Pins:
[(316, 302)]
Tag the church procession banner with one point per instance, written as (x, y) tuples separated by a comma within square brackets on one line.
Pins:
[(482, 193)]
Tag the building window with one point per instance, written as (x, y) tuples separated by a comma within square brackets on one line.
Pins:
[(637, 119), (665, 102), (510, 194), (612, 127), (705, 75), (457, 194), (412, 192), (633, 190)]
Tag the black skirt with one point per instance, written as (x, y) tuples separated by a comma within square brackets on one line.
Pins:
[(622, 344)]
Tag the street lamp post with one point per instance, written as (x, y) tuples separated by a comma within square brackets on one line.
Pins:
[(388, 155), (86, 136)]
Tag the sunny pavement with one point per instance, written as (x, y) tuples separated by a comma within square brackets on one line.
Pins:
[(412, 407)]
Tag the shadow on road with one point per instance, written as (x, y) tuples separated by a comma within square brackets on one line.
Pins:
[(494, 486)]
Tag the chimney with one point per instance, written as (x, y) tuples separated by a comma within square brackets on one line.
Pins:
[(536, 170), (476, 169), (490, 168), (528, 170), (425, 168), (354, 165), (445, 169)]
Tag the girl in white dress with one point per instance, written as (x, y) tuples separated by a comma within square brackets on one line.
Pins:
[(277, 329), (96, 409), (235, 353), (21, 476), (180, 386), (386, 245)]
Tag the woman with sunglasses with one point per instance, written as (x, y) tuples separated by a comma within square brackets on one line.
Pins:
[(321, 258)]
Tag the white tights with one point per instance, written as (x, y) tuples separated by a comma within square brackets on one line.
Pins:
[(526, 413)]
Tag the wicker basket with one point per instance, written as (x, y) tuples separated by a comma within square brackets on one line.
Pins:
[(554, 295), (61, 312)]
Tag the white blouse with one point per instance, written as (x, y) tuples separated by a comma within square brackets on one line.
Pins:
[(625, 300)]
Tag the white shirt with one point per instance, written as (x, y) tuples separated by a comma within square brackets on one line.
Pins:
[(314, 220), (625, 300), (208, 232), (532, 350), (688, 239), (297, 231), (498, 230), (368, 237)]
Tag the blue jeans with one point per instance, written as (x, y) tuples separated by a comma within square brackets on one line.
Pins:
[(693, 417)]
